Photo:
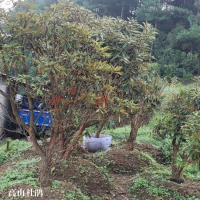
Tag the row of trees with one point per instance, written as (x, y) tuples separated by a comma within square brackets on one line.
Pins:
[(44, 54), (66, 46), (176, 48)]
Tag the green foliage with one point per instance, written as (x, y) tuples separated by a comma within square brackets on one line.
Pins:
[(152, 188), (74, 195), (175, 113), (155, 190), (192, 172), (176, 108), (23, 172), (162, 173), (119, 134), (15, 149), (56, 184), (178, 22), (115, 8), (3, 157), (192, 131)]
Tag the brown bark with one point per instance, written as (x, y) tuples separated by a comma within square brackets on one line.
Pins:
[(101, 125), (73, 143), (62, 143), (133, 134), (7, 147), (137, 120), (46, 160), (52, 142), (45, 173), (131, 140), (35, 144), (176, 171)]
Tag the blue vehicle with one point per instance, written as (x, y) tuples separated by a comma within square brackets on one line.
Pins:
[(43, 119)]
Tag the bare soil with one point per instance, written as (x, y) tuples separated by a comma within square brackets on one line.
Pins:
[(122, 162), (85, 171), (146, 147), (84, 175)]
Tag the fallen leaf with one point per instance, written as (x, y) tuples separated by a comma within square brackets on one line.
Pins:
[(53, 169)]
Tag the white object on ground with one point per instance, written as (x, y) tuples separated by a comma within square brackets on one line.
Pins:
[(94, 144)]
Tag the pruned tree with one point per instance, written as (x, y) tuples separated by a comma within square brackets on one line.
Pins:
[(47, 55), (175, 116), (139, 91)]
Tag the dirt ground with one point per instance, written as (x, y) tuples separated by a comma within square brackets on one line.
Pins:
[(106, 175)]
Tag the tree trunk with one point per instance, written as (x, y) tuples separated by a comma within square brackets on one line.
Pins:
[(197, 16), (62, 144), (100, 128), (191, 48), (73, 143), (46, 160), (45, 172), (122, 11), (176, 171), (133, 134), (131, 140), (156, 26)]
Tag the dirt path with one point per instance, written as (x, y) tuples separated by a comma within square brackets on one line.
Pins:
[(121, 188)]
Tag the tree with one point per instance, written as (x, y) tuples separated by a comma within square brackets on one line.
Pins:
[(67, 46), (177, 23), (115, 8), (138, 92), (152, 12), (64, 55), (177, 107), (191, 148), (40, 4)]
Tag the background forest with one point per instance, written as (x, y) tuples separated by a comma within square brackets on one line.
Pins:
[(139, 56), (176, 49)]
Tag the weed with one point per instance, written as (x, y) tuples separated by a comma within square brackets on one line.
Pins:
[(192, 172), (74, 195), (56, 184), (15, 149), (22, 173), (16, 176), (155, 190)]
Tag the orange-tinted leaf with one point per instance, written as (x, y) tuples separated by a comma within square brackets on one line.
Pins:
[(79, 71)]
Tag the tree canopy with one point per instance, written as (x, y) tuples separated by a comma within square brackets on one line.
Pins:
[(68, 48)]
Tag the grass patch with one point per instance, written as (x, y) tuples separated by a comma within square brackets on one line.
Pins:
[(15, 149), (192, 173), (18, 176), (56, 184), (155, 190), (118, 134), (23, 171), (74, 195)]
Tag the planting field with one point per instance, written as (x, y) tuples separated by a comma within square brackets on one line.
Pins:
[(113, 174)]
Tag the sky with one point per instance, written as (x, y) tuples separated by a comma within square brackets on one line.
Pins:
[(6, 4)]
